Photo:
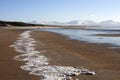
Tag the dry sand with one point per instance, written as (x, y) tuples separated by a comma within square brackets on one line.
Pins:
[(61, 51)]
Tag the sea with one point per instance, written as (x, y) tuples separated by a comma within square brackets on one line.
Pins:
[(90, 35)]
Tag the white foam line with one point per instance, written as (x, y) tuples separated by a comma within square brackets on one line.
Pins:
[(38, 64)]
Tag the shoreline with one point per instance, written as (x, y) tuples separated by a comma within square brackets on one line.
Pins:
[(62, 51), (58, 41), (98, 57), (66, 27)]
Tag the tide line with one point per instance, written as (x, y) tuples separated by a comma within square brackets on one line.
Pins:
[(37, 64)]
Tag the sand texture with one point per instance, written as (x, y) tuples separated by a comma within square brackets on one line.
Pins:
[(10, 68), (61, 51)]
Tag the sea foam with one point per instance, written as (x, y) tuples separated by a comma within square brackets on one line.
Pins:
[(37, 64)]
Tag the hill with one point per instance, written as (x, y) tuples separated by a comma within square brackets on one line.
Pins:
[(10, 24)]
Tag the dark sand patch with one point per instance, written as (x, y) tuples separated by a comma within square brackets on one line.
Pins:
[(108, 35)]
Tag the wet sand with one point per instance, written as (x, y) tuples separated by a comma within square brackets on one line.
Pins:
[(10, 68), (108, 35), (61, 51)]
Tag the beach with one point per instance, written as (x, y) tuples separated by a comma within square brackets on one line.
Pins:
[(61, 51), (10, 68)]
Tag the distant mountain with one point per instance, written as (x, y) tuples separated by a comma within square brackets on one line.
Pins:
[(51, 23), (75, 22), (110, 23), (33, 22), (84, 22), (80, 22), (107, 23)]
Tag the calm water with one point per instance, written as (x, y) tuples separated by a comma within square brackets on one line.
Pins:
[(89, 35)]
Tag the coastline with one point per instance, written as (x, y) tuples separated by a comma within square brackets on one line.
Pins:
[(98, 57), (62, 51)]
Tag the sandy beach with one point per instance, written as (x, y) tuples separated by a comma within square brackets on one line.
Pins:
[(10, 68), (61, 51)]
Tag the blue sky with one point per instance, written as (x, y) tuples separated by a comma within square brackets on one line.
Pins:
[(59, 10)]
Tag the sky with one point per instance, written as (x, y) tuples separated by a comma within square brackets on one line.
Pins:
[(59, 10)]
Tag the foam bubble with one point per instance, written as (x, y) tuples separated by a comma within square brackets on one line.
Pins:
[(37, 64)]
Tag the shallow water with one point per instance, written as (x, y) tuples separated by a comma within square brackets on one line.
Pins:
[(89, 35)]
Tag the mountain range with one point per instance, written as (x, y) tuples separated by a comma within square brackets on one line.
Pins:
[(105, 24), (80, 22)]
